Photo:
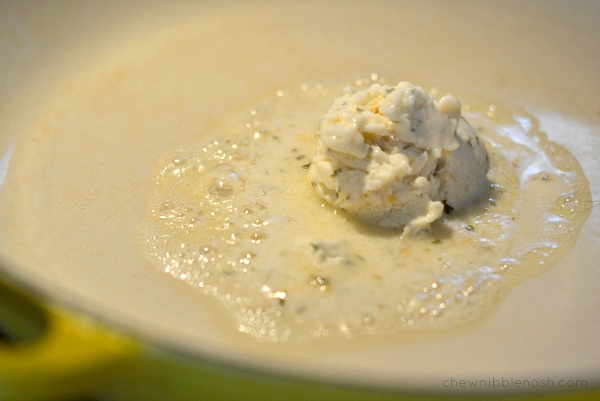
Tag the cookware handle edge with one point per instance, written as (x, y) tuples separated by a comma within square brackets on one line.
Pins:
[(71, 356)]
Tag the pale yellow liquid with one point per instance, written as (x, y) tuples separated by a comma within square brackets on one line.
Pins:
[(234, 217)]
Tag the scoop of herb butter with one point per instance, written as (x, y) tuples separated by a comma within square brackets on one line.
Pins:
[(397, 157)]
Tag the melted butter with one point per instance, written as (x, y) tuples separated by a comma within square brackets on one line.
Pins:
[(235, 217)]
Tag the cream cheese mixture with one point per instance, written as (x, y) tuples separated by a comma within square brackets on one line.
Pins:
[(235, 216), (395, 157)]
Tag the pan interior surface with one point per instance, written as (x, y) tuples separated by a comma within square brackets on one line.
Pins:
[(93, 97)]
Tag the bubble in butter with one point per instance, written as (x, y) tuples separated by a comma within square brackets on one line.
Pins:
[(235, 217)]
